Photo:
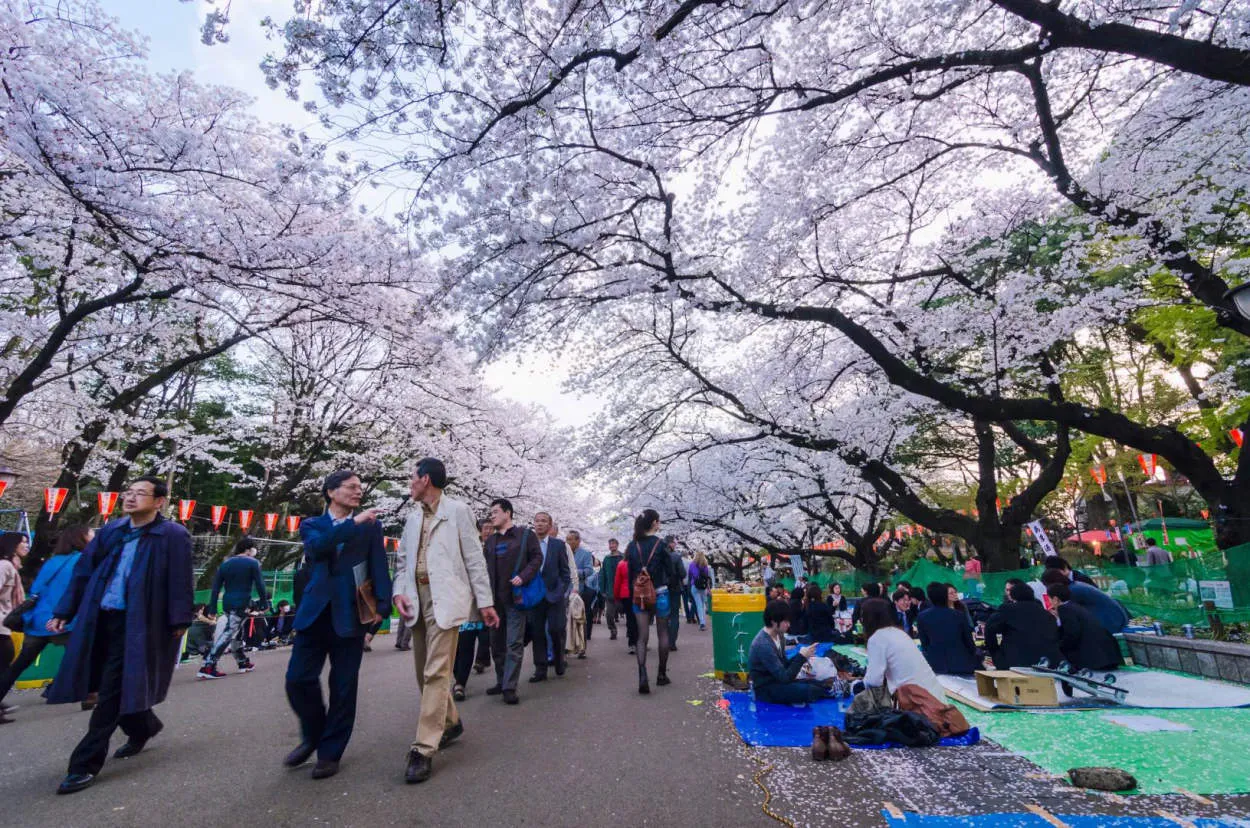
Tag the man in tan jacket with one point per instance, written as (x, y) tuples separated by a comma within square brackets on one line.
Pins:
[(440, 583)]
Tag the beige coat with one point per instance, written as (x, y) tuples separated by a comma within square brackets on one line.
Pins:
[(459, 584)]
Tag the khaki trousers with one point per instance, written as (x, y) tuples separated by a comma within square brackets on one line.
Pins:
[(433, 654)]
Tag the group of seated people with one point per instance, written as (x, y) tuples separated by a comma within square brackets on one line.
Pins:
[(261, 631), (1077, 628)]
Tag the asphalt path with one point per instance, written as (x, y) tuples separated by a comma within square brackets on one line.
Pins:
[(582, 749)]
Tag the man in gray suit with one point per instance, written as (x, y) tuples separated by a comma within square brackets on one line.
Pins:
[(550, 618)]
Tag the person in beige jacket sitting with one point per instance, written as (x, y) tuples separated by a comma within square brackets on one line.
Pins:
[(440, 583)]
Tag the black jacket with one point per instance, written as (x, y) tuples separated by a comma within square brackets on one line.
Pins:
[(1084, 641), (1022, 633), (555, 570), (946, 641), (658, 564), (819, 619)]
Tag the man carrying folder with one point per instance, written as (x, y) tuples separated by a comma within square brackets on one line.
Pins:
[(348, 590)]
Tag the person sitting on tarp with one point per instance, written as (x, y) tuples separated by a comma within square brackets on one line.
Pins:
[(871, 589), (893, 659), (1083, 640), (904, 610), (819, 617), (1109, 612), (773, 676), (1022, 632), (945, 635), (1073, 575), (798, 613)]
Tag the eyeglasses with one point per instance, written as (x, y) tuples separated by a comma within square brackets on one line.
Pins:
[(137, 493)]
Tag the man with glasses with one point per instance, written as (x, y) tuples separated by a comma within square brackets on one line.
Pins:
[(130, 598)]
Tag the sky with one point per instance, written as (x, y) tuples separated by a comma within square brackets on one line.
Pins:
[(172, 28)]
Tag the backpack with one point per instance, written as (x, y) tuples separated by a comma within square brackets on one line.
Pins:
[(703, 580), (644, 589)]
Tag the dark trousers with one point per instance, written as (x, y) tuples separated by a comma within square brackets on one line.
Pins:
[(507, 646), (673, 620), (32, 646), (108, 659), (588, 598), (795, 692), (687, 602), (549, 618), (465, 658), (328, 729)]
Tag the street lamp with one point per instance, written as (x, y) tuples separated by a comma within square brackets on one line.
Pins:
[(1240, 297)]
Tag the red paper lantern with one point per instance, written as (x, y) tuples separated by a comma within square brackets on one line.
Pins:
[(292, 523), (219, 514), (185, 509), (54, 499), (4, 484), (1148, 463), (106, 501), (1099, 473), (245, 519), (271, 521), (1237, 436)]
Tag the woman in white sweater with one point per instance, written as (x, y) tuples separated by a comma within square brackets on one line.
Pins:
[(893, 657)]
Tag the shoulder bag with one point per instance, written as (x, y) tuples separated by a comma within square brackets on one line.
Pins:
[(644, 588), (527, 596)]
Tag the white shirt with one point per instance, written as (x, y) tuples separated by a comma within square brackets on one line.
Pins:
[(895, 660)]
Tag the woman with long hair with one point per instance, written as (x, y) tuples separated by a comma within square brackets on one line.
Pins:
[(836, 600), (818, 614), (701, 587), (648, 552), (14, 547), (893, 659)]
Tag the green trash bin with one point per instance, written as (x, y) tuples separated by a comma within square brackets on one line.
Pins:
[(736, 618)]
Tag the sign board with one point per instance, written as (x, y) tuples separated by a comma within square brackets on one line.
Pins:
[(1221, 592)]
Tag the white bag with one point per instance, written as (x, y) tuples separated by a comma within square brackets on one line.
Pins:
[(820, 668)]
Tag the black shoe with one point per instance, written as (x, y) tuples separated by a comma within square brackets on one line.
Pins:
[(75, 782), (672, 648), (494, 691), (6, 709), (581, 656), (643, 687), (537, 677), (325, 768), (561, 667), (480, 668), (419, 768), (300, 755), (457, 693), (613, 637), (510, 697), (132, 748), (662, 680), (632, 649), (450, 735)]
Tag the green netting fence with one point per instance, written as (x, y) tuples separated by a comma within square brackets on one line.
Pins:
[(1171, 593), (280, 583)]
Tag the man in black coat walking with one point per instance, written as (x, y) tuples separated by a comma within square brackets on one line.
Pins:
[(549, 620)]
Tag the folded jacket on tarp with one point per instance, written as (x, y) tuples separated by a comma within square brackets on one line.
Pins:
[(779, 725)]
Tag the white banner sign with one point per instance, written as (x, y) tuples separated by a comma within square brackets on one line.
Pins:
[(796, 563), (1043, 540)]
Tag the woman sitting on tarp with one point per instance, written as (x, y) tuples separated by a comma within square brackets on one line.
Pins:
[(773, 676), (1083, 640), (1022, 632), (893, 658), (946, 636), (819, 617)]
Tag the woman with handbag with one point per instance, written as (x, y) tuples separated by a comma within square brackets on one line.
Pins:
[(649, 567), (45, 593), (14, 546)]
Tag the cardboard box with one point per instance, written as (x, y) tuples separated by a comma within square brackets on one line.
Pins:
[(1008, 687)]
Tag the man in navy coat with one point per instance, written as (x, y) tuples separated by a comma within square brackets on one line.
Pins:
[(549, 620), (130, 598), (341, 548)]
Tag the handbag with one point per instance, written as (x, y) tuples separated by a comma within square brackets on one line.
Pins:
[(366, 600), (16, 620), (527, 596), (644, 588)]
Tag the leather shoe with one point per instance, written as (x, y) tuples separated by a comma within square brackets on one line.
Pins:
[(560, 668), (450, 735), (300, 755), (494, 691), (132, 748), (510, 697), (537, 677), (75, 782), (419, 768), (325, 768)]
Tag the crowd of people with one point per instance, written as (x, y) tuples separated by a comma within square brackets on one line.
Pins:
[(469, 593)]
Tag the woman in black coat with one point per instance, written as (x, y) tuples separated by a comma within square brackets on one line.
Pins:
[(1022, 632), (1083, 639), (836, 600), (818, 615), (798, 613), (945, 637)]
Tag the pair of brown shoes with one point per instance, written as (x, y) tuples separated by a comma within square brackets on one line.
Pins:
[(827, 743)]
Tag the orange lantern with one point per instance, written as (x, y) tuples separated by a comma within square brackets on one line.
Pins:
[(219, 514), (54, 499), (106, 501), (292, 523), (1099, 473), (271, 521), (1237, 436), (1148, 463), (185, 509), (245, 519), (4, 484)]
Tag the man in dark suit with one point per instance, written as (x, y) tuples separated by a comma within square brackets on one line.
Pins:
[(343, 550), (1083, 639), (550, 618)]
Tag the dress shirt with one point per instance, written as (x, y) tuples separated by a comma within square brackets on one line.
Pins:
[(115, 595)]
